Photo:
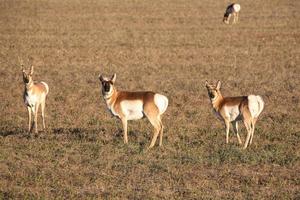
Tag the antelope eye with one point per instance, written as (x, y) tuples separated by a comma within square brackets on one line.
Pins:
[(211, 94)]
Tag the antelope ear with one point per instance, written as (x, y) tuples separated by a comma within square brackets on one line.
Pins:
[(208, 86), (23, 69), (31, 70), (206, 83), (113, 78), (100, 78), (218, 85)]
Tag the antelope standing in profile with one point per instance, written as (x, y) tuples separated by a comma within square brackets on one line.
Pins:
[(234, 109), (232, 9), (34, 95), (134, 105)]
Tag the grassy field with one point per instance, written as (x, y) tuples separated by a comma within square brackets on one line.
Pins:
[(168, 46)]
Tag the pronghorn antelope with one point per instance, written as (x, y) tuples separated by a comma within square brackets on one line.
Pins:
[(232, 9), (134, 105), (234, 109), (34, 96)]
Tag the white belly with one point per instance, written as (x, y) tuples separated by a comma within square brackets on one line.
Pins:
[(30, 100), (232, 112), (132, 109)]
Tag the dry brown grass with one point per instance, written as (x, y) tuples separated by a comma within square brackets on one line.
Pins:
[(167, 46)]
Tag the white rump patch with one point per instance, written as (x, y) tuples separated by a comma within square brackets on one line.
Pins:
[(46, 85), (161, 102), (237, 7), (132, 109), (256, 105)]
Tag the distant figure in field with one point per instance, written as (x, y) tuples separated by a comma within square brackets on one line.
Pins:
[(232, 9), (233, 109), (35, 94)]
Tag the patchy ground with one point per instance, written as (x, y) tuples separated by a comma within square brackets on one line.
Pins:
[(168, 46)]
